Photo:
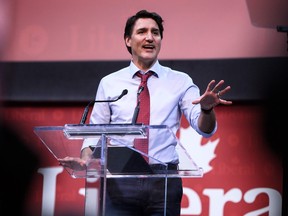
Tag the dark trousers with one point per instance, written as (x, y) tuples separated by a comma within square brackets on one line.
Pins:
[(143, 196)]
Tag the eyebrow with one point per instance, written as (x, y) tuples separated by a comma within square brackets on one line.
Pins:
[(145, 29)]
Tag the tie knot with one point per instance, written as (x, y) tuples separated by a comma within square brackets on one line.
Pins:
[(144, 77)]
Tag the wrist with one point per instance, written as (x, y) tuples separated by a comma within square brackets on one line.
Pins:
[(207, 111)]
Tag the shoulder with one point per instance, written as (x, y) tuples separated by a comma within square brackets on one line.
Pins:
[(116, 74), (172, 73)]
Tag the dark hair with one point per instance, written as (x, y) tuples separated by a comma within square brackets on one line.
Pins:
[(142, 14)]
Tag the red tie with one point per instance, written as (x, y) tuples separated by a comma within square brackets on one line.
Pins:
[(144, 111)]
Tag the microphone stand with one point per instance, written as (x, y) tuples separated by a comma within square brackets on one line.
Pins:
[(137, 108), (86, 110)]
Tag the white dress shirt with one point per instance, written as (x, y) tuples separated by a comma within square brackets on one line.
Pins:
[(171, 95)]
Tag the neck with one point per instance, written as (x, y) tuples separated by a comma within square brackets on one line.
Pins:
[(144, 65)]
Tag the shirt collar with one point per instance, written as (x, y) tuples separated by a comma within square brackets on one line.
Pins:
[(155, 68)]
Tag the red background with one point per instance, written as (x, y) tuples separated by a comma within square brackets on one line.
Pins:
[(74, 30), (243, 160)]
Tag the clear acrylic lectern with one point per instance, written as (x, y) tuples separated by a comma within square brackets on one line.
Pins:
[(113, 155)]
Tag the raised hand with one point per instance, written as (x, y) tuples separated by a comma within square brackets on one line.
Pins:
[(213, 96)]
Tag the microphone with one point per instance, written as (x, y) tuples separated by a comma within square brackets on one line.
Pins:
[(137, 108), (86, 110)]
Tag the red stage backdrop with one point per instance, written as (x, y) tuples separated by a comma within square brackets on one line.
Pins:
[(241, 174), (68, 30)]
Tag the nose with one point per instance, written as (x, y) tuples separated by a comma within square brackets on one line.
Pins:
[(149, 36)]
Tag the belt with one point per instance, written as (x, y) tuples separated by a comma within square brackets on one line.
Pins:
[(169, 166)]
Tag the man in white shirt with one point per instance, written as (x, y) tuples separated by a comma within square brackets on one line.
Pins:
[(172, 94)]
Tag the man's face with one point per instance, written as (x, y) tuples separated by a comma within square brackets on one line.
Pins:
[(145, 40)]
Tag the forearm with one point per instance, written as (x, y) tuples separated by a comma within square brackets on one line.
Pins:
[(207, 121)]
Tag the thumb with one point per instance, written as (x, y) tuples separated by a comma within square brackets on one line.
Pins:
[(197, 101)]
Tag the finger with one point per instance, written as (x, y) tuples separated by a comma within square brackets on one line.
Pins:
[(218, 86), (225, 102), (210, 85), (197, 101), (222, 92)]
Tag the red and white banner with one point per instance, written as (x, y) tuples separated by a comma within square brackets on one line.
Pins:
[(242, 176)]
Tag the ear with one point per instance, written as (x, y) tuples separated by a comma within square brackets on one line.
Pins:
[(128, 41)]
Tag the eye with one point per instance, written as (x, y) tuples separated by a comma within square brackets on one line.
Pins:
[(156, 32), (141, 31)]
